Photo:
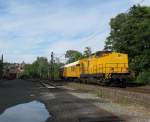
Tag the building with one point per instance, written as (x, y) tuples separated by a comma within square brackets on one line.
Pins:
[(13, 70)]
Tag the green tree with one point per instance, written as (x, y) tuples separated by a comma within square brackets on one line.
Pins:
[(38, 69), (87, 52), (41, 68), (57, 65), (28, 70), (130, 33), (73, 55)]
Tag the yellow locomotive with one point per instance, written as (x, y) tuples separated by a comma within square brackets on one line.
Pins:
[(102, 65)]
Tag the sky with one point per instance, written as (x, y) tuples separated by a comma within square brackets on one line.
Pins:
[(31, 28)]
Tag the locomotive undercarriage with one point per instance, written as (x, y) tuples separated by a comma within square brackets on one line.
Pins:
[(102, 79)]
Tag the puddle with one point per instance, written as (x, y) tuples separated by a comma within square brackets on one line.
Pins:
[(29, 112)]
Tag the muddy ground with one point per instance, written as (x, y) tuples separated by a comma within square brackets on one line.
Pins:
[(63, 104)]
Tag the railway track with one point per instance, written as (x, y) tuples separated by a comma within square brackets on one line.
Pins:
[(138, 89), (145, 89), (141, 89), (130, 88), (139, 95)]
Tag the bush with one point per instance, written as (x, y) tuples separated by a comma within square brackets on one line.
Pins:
[(23, 77), (144, 77)]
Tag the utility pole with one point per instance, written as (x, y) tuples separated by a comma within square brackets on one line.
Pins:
[(52, 66), (1, 67)]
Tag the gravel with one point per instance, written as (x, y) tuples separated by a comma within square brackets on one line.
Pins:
[(130, 113)]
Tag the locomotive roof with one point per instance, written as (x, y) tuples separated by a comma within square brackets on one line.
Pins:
[(71, 64), (99, 53)]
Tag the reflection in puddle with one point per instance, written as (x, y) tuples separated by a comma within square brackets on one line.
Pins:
[(29, 112)]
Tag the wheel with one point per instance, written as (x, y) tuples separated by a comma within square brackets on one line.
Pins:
[(123, 83)]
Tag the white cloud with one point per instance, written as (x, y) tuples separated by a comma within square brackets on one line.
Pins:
[(96, 42), (141, 2), (31, 28)]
